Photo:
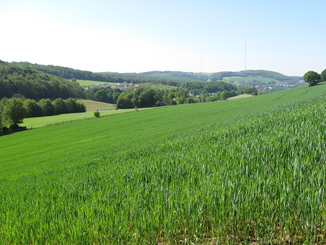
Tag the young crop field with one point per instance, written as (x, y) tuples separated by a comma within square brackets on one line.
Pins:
[(249, 171), (156, 86), (87, 83), (92, 105)]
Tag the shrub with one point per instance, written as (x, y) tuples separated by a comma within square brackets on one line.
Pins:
[(97, 114)]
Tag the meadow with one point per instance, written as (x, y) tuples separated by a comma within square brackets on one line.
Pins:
[(87, 83), (92, 105), (249, 171), (37, 122)]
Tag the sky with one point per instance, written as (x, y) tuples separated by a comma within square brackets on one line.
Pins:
[(286, 36)]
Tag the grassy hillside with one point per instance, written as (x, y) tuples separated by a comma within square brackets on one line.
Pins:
[(237, 171), (87, 83), (92, 105)]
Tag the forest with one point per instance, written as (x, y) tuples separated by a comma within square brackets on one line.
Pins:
[(27, 82), (67, 73)]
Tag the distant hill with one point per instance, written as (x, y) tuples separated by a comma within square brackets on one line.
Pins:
[(34, 84), (263, 80), (252, 73), (163, 76), (68, 73), (179, 76)]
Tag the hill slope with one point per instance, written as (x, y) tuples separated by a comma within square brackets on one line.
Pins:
[(179, 76), (233, 171), (22, 80), (156, 76), (66, 72)]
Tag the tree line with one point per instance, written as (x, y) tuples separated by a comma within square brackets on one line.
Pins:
[(150, 97), (214, 87), (190, 92), (107, 94), (14, 110)]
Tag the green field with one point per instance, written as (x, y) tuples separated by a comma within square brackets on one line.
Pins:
[(37, 122), (156, 86), (249, 171), (248, 79), (92, 105), (86, 83), (105, 109), (241, 96)]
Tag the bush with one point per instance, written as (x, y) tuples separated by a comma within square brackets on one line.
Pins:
[(97, 114)]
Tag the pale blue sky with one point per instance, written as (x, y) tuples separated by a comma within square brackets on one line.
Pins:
[(135, 36)]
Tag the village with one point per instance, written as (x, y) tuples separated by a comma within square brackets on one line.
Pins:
[(120, 86)]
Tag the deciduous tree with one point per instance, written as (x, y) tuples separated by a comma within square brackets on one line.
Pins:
[(14, 111), (32, 108), (323, 75), (312, 78), (47, 107), (224, 95), (60, 106)]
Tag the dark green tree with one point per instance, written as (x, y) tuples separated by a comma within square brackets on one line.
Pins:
[(312, 78), (147, 98), (32, 108), (124, 102), (14, 112), (224, 95), (60, 106), (101, 95), (191, 100), (47, 107), (181, 100), (2, 105), (323, 75), (80, 107), (71, 105)]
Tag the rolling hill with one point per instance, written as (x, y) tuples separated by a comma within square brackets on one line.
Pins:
[(262, 79), (230, 172), (24, 81)]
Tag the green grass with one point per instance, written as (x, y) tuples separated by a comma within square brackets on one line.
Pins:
[(37, 122), (87, 83), (92, 105), (156, 86), (241, 96), (247, 171)]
